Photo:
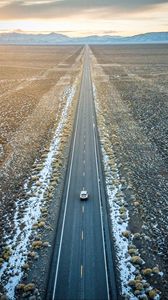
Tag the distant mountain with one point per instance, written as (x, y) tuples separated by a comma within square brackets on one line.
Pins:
[(150, 37), (24, 38), (53, 38)]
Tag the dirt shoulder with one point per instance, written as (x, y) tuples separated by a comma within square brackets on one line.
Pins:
[(34, 161), (133, 104)]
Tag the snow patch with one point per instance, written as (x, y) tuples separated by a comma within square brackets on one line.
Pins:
[(126, 269), (118, 205), (11, 271)]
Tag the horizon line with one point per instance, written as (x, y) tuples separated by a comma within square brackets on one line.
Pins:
[(19, 31)]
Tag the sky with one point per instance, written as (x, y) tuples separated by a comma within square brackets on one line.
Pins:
[(84, 17)]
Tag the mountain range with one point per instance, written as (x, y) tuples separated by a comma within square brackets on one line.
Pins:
[(53, 38)]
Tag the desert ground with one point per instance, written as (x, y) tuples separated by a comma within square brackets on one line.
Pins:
[(28, 77), (131, 90), (37, 98), (39, 93)]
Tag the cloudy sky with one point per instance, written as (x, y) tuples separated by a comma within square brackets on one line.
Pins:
[(84, 17)]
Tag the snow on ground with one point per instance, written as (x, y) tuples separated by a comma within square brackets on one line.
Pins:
[(126, 269), (114, 192), (18, 244), (120, 217)]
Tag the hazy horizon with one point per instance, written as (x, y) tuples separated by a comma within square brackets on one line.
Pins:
[(75, 18), (69, 36)]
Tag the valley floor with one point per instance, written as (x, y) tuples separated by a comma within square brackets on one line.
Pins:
[(39, 92), (130, 86)]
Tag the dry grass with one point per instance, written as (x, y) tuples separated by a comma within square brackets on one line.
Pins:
[(26, 75), (32, 80), (134, 104)]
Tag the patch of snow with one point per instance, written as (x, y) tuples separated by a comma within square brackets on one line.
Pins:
[(1, 151), (116, 201), (11, 271), (126, 269)]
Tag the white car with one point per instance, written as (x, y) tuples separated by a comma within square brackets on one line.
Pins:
[(84, 195)]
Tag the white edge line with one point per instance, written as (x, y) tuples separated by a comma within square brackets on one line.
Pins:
[(66, 201), (98, 184), (104, 251)]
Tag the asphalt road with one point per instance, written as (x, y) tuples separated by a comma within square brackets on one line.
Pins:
[(80, 265)]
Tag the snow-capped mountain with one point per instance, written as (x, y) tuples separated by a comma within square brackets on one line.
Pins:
[(56, 38)]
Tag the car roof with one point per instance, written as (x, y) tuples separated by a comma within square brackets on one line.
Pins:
[(83, 192)]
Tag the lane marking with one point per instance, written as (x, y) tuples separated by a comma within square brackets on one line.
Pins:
[(100, 207), (81, 271), (83, 209), (84, 161), (67, 194), (82, 236), (83, 173)]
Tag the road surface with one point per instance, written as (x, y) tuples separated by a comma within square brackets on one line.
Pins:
[(80, 265)]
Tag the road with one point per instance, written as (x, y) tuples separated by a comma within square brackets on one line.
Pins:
[(80, 265)]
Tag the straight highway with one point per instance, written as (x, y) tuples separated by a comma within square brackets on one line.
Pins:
[(80, 265)]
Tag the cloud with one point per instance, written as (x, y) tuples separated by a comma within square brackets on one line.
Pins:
[(110, 32), (39, 2), (28, 9), (120, 4), (25, 9)]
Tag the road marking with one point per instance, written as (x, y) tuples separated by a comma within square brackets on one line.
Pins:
[(83, 173), (100, 207), (83, 209), (82, 235), (84, 151), (84, 161), (66, 201), (81, 271), (67, 195)]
